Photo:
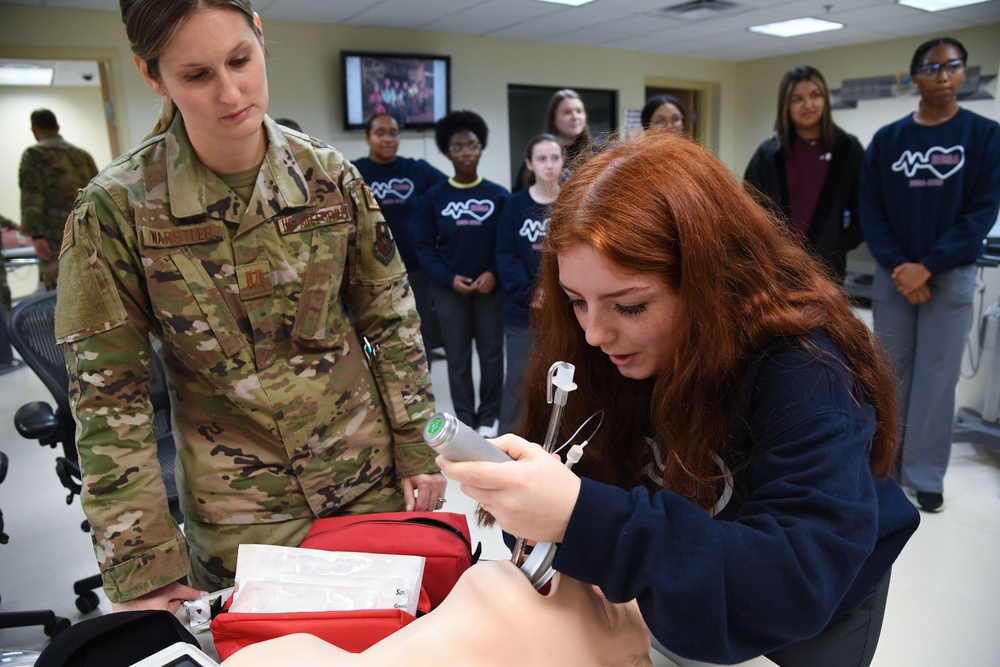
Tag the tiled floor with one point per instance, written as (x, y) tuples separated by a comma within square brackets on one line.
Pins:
[(944, 603)]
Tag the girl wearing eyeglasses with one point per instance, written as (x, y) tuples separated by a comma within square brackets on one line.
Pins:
[(456, 245), (809, 170), (663, 113), (929, 195)]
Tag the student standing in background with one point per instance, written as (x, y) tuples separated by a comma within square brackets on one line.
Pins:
[(809, 170), (457, 248), (520, 233), (566, 120), (663, 113), (929, 195), (398, 183)]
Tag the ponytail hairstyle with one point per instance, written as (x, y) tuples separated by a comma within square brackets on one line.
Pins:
[(151, 24)]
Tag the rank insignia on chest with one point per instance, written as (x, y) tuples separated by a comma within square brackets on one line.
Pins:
[(384, 247), (254, 280)]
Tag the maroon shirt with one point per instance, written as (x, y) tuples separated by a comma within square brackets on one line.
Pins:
[(805, 173)]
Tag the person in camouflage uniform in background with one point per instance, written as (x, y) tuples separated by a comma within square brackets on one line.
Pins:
[(262, 285), (52, 173), (5, 223), (7, 360)]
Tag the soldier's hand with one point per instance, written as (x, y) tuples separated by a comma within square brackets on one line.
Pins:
[(169, 597), (424, 493), (42, 249)]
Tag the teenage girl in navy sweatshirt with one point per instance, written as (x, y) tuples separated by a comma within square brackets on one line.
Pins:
[(456, 245), (398, 184), (520, 234), (738, 488), (929, 195)]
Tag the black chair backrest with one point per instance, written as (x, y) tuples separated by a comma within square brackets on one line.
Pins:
[(32, 326), (32, 332)]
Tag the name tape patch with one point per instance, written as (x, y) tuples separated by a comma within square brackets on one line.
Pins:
[(210, 231), (300, 222)]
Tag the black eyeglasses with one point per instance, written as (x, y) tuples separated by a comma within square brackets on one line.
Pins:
[(455, 149), (933, 69)]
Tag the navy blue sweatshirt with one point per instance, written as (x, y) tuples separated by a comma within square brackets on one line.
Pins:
[(398, 187), (520, 233), (806, 535), (929, 193), (458, 230)]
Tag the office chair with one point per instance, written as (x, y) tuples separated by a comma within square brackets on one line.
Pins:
[(52, 624), (32, 332)]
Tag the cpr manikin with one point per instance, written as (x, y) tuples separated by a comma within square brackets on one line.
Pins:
[(493, 617)]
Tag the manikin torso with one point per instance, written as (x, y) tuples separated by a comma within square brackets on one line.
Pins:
[(493, 616)]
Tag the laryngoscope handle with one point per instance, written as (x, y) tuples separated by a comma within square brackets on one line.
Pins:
[(456, 441)]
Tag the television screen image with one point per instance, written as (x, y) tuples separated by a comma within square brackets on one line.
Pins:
[(412, 88)]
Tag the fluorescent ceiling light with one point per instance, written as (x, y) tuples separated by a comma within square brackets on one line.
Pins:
[(19, 75), (795, 27), (938, 5), (571, 3)]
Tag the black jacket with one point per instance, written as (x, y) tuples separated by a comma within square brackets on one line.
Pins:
[(835, 228)]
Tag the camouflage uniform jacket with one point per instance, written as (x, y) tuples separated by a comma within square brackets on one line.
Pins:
[(51, 174), (5, 223), (276, 413)]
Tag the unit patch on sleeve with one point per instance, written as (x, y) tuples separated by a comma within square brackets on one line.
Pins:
[(384, 247)]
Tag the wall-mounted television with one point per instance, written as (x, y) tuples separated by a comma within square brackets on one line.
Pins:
[(415, 88)]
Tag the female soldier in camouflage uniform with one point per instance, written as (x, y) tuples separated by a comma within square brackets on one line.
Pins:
[(260, 259)]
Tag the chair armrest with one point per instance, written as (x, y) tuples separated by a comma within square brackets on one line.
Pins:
[(37, 421)]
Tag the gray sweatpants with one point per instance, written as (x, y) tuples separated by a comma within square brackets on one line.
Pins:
[(926, 344)]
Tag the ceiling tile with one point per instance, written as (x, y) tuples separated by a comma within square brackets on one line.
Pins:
[(312, 11), (401, 14), (109, 5), (491, 17), (610, 31)]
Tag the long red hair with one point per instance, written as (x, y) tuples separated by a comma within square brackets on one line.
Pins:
[(662, 204)]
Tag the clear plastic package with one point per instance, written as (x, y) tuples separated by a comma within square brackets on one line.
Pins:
[(286, 579)]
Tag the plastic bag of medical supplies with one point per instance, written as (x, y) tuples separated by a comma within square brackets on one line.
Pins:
[(441, 538)]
